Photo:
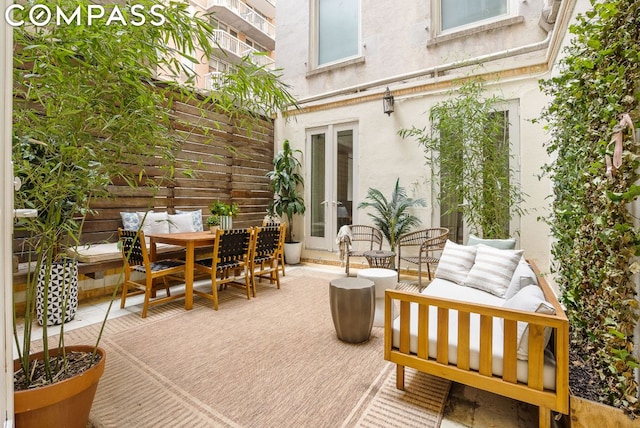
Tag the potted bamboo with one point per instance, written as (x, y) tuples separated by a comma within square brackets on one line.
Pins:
[(85, 113), (286, 183)]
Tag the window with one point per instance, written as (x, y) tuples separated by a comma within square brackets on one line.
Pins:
[(495, 176), (457, 13), (338, 30)]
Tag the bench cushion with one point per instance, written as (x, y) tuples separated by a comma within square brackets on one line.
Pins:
[(95, 253), (449, 290)]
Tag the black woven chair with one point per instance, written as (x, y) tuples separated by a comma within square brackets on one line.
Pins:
[(427, 243), (136, 259), (264, 263), (229, 264)]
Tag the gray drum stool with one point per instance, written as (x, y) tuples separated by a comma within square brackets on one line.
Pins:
[(352, 308)]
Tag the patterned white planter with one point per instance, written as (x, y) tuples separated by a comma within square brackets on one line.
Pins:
[(62, 287), (226, 222)]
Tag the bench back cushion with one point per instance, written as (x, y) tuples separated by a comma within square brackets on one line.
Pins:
[(493, 269), (455, 262)]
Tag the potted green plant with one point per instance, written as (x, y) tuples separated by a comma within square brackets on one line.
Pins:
[(287, 183), (213, 221), (225, 213), (85, 113), (392, 216)]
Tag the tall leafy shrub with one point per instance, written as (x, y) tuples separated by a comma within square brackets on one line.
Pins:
[(595, 242)]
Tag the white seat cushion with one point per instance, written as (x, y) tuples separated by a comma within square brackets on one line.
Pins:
[(451, 291)]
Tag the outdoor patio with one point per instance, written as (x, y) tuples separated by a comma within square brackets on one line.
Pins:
[(463, 407)]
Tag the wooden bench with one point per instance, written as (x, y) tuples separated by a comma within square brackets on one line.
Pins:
[(506, 384)]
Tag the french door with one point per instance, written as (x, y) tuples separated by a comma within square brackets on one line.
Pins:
[(330, 183)]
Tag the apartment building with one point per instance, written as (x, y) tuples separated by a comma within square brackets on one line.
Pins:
[(341, 56), (242, 28)]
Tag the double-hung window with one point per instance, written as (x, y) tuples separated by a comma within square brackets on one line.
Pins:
[(461, 13), (337, 24)]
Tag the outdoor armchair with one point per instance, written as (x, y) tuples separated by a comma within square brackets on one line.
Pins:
[(427, 243), (363, 238)]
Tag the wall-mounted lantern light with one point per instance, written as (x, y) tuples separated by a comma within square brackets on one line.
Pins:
[(387, 102)]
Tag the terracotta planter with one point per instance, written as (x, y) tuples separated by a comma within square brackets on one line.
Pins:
[(62, 404), (214, 229)]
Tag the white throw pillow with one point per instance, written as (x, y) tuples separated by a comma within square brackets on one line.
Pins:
[(502, 244), (530, 299), (197, 219), (181, 223), (493, 269), (154, 222), (455, 262), (522, 276), (130, 221)]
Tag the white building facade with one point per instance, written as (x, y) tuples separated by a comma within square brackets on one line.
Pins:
[(340, 57), (242, 28)]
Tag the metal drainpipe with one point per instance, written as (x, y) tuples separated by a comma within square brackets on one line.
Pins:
[(565, 6)]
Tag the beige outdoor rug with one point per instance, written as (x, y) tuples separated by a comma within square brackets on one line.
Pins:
[(273, 361)]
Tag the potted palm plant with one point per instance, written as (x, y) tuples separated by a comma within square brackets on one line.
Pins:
[(392, 216), (287, 183)]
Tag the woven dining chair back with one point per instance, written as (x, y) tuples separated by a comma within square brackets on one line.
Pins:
[(136, 259), (229, 264), (265, 255)]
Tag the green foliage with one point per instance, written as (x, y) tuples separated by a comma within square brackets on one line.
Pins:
[(223, 209), (285, 181), (392, 216), (595, 241), (213, 220), (88, 110), (468, 143)]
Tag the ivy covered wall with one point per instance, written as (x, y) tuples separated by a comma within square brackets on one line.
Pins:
[(595, 241)]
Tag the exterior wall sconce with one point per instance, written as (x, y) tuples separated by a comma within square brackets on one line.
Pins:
[(387, 102)]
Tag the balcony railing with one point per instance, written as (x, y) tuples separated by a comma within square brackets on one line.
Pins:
[(247, 14), (239, 49)]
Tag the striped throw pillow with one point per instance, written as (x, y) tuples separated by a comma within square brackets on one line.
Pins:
[(455, 262), (493, 269)]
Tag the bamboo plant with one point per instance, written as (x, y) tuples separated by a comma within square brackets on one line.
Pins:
[(88, 109)]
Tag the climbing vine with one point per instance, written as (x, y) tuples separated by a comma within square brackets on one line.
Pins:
[(596, 97)]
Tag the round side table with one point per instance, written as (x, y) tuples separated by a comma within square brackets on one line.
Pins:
[(352, 303), (383, 279), (380, 259)]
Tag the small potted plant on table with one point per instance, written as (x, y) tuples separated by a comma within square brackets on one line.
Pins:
[(225, 213)]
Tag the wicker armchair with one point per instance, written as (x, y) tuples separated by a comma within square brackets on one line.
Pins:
[(363, 238), (429, 243)]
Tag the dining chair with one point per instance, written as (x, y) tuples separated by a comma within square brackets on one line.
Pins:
[(136, 259), (264, 262), (283, 235), (363, 238), (229, 264), (427, 244)]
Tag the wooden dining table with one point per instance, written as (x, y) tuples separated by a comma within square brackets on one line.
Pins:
[(191, 241)]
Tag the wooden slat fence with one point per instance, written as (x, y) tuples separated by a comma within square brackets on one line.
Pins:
[(227, 162)]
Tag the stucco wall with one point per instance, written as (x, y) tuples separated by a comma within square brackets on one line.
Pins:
[(382, 156)]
